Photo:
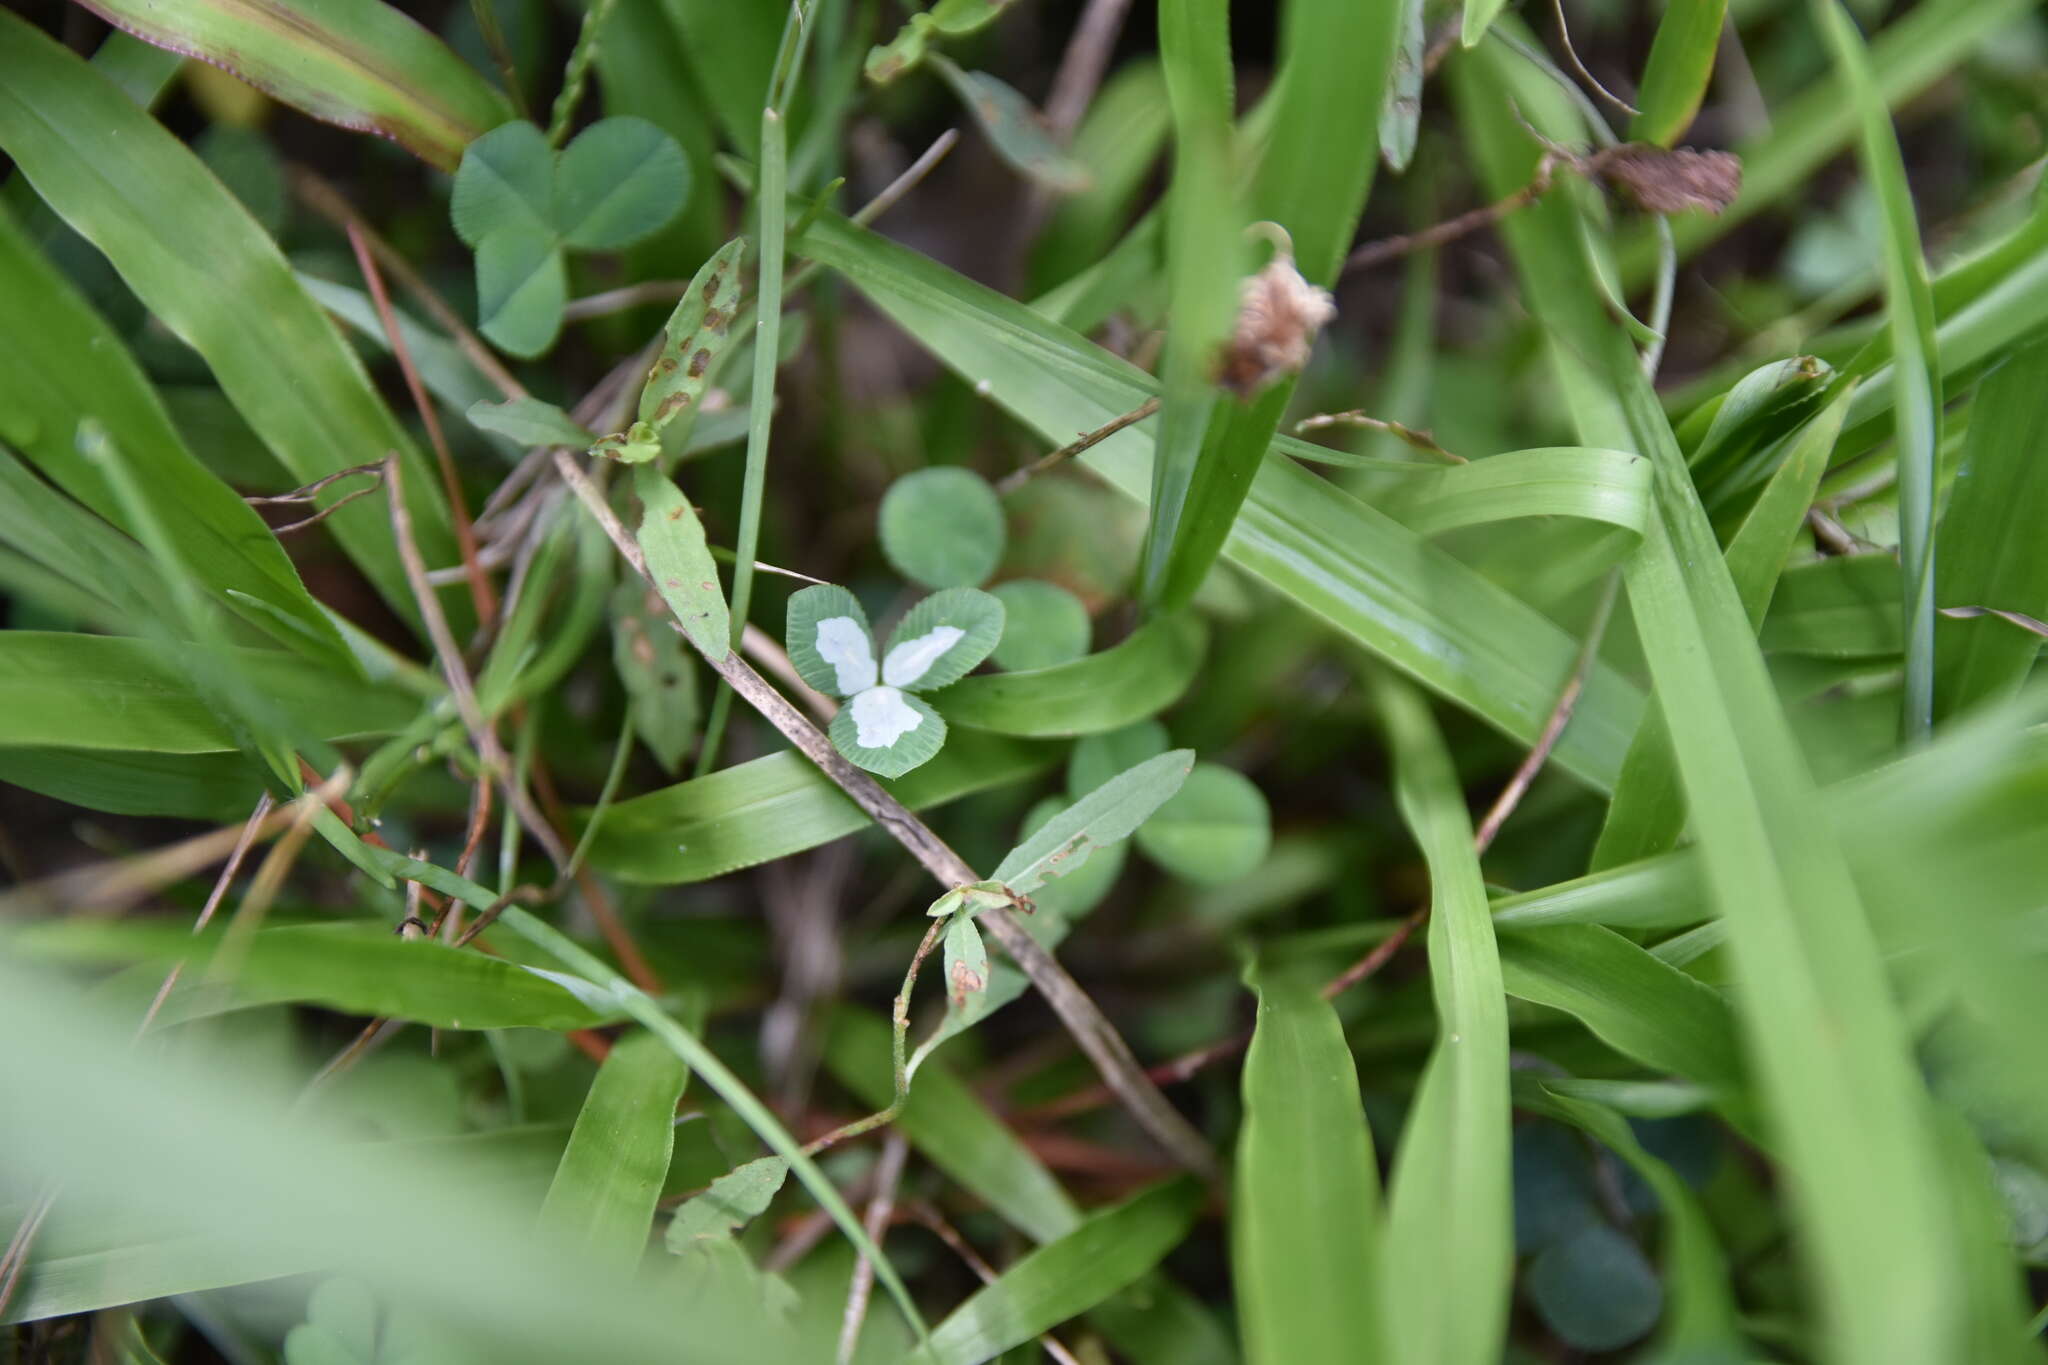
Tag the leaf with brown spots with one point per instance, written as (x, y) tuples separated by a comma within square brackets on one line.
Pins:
[(680, 562), (698, 329)]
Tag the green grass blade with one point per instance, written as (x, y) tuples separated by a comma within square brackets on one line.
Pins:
[(1065, 1278), (1447, 1263), (1204, 259), (1638, 1005), (1824, 1035), (356, 63), (603, 1197), (770, 202), (1339, 559), (1916, 374), (59, 359), (1306, 1200), (1319, 149), (355, 967), (107, 692), (1647, 814), (1136, 678), (1681, 63), (191, 253), (1991, 555), (768, 808)]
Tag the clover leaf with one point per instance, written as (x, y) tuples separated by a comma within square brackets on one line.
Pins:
[(885, 727), (518, 204)]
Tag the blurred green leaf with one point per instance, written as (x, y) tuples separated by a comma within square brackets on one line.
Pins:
[(1045, 625), (107, 692), (603, 1197), (1064, 1278), (733, 1201), (1680, 65), (1826, 1037), (1304, 1214), (1595, 1289), (942, 528), (353, 968), (530, 422), (1014, 128), (657, 671), (1641, 1007), (356, 63), (1215, 829)]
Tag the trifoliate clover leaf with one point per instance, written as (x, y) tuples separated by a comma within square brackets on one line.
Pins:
[(883, 727)]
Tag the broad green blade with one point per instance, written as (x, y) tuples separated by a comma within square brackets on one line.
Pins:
[(1991, 553), (60, 363), (1647, 815), (203, 266), (1305, 1207), (354, 968), (1065, 1278), (1343, 561), (1337, 64), (1128, 682), (1638, 1005), (1447, 1262), (768, 808), (1681, 63), (109, 692), (357, 63), (1824, 1036), (603, 1197)]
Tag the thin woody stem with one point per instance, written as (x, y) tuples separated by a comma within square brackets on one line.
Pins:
[(1088, 440)]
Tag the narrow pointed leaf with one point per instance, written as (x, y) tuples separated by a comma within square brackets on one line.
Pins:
[(357, 63), (680, 562)]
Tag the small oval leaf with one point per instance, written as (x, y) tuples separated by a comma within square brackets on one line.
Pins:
[(520, 290), (1215, 830), (942, 528), (506, 179), (906, 730), (1045, 625)]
